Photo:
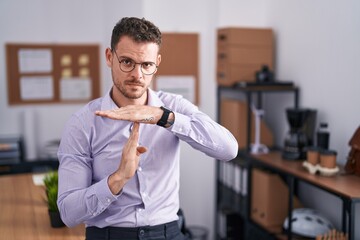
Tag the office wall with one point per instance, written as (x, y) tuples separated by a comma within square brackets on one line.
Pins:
[(197, 182), (40, 21), (91, 21)]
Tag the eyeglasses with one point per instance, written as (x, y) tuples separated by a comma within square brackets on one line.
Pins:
[(127, 65)]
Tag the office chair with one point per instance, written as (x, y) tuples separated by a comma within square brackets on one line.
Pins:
[(182, 224)]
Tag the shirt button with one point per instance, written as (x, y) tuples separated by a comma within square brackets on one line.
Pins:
[(139, 169), (144, 194), (108, 200)]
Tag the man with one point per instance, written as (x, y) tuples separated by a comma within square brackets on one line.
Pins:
[(119, 155)]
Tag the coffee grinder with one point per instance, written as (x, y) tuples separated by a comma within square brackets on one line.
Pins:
[(301, 134)]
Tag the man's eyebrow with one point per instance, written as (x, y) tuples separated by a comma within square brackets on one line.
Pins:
[(125, 57)]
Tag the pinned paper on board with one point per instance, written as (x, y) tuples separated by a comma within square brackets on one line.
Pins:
[(36, 88), (182, 85), (75, 88), (35, 60)]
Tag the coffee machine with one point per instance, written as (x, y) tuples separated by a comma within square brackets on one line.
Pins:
[(302, 123)]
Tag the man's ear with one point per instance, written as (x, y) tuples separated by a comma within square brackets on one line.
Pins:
[(158, 60), (109, 57)]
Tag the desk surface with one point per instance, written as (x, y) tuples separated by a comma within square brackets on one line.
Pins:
[(343, 185), (24, 214)]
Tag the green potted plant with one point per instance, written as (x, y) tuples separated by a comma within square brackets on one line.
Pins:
[(51, 188)]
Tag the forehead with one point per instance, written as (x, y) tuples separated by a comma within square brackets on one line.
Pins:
[(142, 51)]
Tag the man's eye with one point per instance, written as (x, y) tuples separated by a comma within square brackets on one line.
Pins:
[(127, 62), (147, 64)]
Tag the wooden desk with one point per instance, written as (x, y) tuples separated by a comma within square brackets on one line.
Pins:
[(346, 187), (24, 215), (343, 185)]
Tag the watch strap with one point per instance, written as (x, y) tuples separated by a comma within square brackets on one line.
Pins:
[(163, 122)]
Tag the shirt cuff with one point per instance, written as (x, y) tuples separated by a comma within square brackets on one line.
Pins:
[(181, 125), (104, 194)]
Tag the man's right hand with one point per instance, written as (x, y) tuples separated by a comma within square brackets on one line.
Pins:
[(129, 161)]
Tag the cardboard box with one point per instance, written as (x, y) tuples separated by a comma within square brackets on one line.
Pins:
[(245, 36), (269, 199), (233, 116), (245, 56), (228, 74), (241, 52)]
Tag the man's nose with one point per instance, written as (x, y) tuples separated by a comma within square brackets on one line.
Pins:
[(137, 72)]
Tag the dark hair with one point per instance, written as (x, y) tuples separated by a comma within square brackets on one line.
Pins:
[(140, 30)]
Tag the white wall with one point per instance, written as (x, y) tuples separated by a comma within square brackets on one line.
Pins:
[(197, 185), (91, 21)]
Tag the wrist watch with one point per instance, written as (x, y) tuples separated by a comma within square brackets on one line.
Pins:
[(164, 120)]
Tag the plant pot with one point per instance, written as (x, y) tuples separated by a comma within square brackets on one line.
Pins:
[(55, 220)]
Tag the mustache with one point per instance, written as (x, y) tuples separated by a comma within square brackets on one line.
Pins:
[(134, 81)]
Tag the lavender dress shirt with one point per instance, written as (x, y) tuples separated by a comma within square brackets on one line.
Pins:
[(91, 149)]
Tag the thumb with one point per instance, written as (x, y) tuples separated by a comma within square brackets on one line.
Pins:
[(141, 150)]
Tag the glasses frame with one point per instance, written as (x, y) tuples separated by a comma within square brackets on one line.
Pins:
[(135, 63)]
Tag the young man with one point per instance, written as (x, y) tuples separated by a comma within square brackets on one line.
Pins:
[(119, 155)]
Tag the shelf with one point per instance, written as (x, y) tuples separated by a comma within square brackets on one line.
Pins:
[(29, 166), (245, 93), (227, 198), (231, 201)]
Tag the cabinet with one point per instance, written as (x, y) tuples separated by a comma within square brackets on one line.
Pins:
[(234, 177), (234, 180)]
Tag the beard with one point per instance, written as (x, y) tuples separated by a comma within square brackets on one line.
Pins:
[(131, 89)]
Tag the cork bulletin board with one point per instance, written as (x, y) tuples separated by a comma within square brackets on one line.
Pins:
[(52, 73), (179, 68)]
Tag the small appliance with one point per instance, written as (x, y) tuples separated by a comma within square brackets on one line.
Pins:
[(301, 134)]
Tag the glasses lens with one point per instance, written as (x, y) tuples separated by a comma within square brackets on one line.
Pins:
[(127, 65), (148, 68)]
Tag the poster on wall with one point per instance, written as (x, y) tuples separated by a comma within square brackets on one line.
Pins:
[(35, 60), (36, 88), (182, 85)]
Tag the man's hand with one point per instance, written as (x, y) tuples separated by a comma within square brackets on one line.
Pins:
[(134, 113), (129, 161)]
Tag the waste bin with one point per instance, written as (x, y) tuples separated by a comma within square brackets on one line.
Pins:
[(198, 233)]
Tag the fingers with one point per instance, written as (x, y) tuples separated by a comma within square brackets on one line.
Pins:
[(134, 135), (141, 150), (134, 138), (108, 113)]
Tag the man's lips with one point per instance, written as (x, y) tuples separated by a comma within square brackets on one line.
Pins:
[(138, 84)]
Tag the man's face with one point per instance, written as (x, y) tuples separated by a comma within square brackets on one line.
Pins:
[(133, 84)]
